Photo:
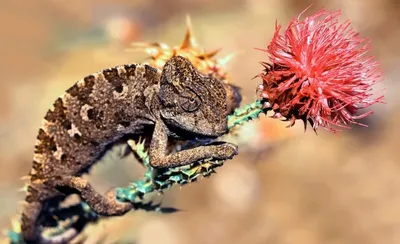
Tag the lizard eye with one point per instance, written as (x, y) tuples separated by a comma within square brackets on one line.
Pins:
[(189, 101)]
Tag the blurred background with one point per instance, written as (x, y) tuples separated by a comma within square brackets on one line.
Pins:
[(285, 186)]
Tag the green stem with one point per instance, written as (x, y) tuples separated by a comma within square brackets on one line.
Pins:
[(166, 178), (155, 180)]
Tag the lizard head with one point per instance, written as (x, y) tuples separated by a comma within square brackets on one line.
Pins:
[(192, 104)]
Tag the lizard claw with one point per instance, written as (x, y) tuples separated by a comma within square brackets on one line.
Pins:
[(226, 151), (119, 207)]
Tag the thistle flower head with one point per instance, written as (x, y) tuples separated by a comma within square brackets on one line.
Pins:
[(319, 72)]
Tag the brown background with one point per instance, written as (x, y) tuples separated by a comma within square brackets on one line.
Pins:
[(286, 186)]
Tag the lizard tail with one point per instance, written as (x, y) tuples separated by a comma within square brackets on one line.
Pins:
[(29, 217), (30, 230)]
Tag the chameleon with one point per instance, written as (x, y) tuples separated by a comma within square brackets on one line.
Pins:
[(176, 102)]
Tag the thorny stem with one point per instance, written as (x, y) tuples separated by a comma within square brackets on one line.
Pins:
[(153, 180), (159, 180)]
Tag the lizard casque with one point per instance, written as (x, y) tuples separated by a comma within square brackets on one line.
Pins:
[(103, 108)]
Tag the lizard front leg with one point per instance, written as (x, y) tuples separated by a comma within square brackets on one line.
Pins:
[(159, 158), (103, 205)]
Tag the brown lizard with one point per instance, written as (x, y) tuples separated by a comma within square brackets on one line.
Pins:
[(103, 108)]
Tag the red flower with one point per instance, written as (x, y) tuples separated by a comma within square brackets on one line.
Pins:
[(319, 72)]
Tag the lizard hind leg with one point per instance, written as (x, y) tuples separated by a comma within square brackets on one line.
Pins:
[(107, 205)]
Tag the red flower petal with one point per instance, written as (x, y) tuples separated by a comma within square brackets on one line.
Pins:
[(319, 72)]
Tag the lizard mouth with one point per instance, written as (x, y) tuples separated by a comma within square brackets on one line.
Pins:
[(187, 133)]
